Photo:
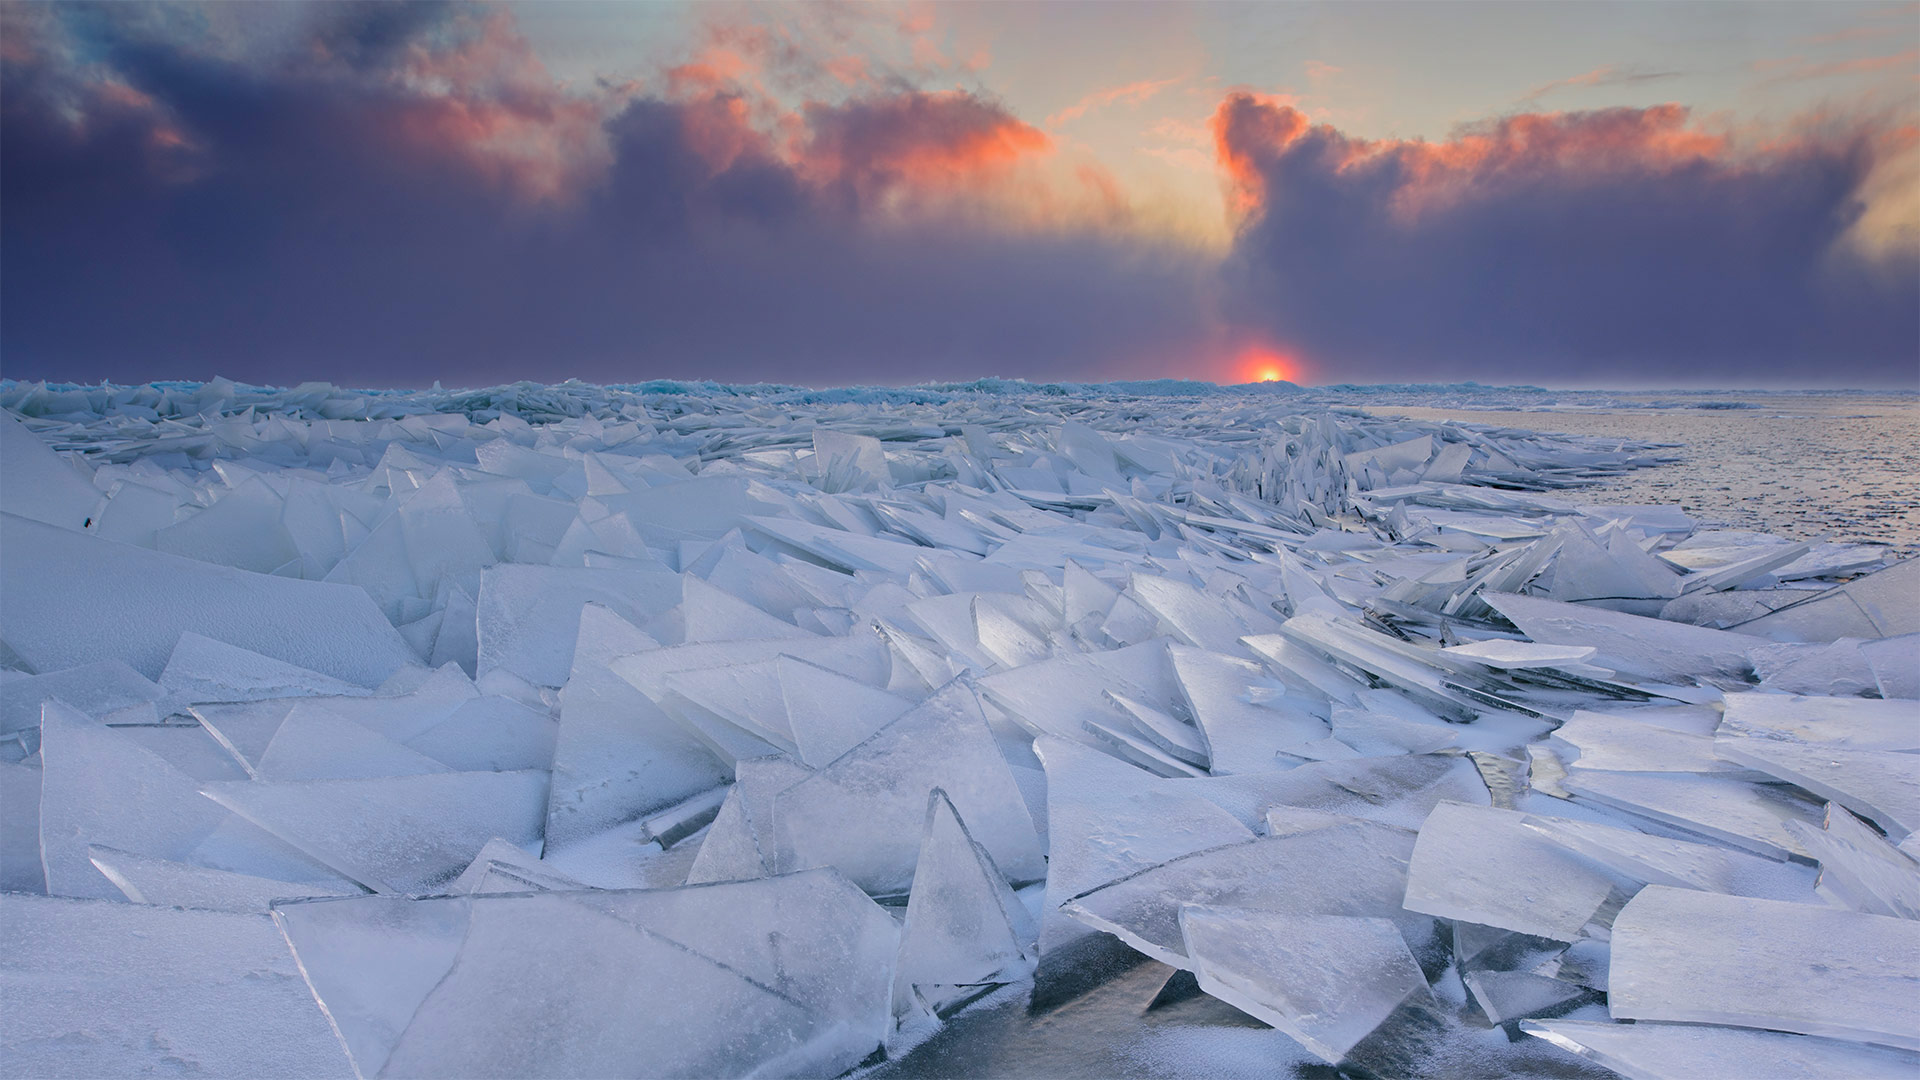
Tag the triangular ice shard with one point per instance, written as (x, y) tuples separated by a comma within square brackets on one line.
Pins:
[(964, 926), (1326, 980), (502, 866), (74, 599), (405, 834), (616, 755), (713, 614), (1107, 820), (528, 616), (829, 713), (729, 852), (863, 813), (99, 787), (94, 689), (371, 960), (165, 883), (491, 733), (314, 744)]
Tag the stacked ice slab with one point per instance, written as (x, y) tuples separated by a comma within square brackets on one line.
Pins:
[(680, 731)]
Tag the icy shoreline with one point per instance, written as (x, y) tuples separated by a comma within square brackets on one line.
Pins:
[(568, 730)]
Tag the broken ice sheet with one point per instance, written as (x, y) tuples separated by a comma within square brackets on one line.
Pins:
[(1682, 955), (1859, 868), (164, 883), (1326, 980), (93, 988), (1630, 644), (1842, 723), (1349, 867), (405, 834), (1483, 865), (94, 689), (616, 755), (99, 787), (75, 599), (862, 813), (1881, 786), (528, 616), (545, 963), (1746, 815), (1645, 1051), (964, 927)]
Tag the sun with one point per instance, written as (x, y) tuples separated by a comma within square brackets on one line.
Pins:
[(1263, 364)]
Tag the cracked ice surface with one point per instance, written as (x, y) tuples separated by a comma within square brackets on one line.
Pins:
[(683, 730)]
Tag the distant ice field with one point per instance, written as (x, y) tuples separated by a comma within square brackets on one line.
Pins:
[(1841, 466)]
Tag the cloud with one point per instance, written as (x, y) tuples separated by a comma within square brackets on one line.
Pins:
[(1800, 69), (393, 200), (1621, 244), (1605, 75), (1132, 93)]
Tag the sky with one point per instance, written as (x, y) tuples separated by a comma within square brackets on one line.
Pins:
[(390, 194)]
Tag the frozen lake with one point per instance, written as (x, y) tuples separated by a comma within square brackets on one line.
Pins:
[(688, 730), (1843, 466)]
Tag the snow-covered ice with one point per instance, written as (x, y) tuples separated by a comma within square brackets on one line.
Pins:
[(686, 730)]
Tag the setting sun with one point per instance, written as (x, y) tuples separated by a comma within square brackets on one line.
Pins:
[(1262, 364)]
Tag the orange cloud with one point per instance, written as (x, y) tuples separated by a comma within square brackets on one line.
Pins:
[(1131, 94), (1252, 130)]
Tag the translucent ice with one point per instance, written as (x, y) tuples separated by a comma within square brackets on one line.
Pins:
[(1682, 955), (99, 787), (406, 834), (164, 883), (964, 927), (1859, 868), (862, 814), (1644, 1051), (92, 988), (1326, 980), (1355, 868), (529, 616), (74, 600), (1483, 865)]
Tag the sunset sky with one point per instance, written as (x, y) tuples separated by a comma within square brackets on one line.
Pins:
[(1561, 194)]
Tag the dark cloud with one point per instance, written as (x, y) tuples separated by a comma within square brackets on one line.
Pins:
[(412, 200), (1612, 246)]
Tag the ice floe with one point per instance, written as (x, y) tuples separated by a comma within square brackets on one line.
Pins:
[(680, 730)]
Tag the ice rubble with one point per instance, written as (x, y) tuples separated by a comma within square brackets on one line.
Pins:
[(682, 730)]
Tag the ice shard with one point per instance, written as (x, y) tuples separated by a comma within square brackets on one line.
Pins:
[(862, 813), (401, 834), (99, 787), (1351, 867), (1644, 1051), (1326, 980), (165, 883), (964, 927), (93, 988), (1685, 956), (616, 755), (75, 600)]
